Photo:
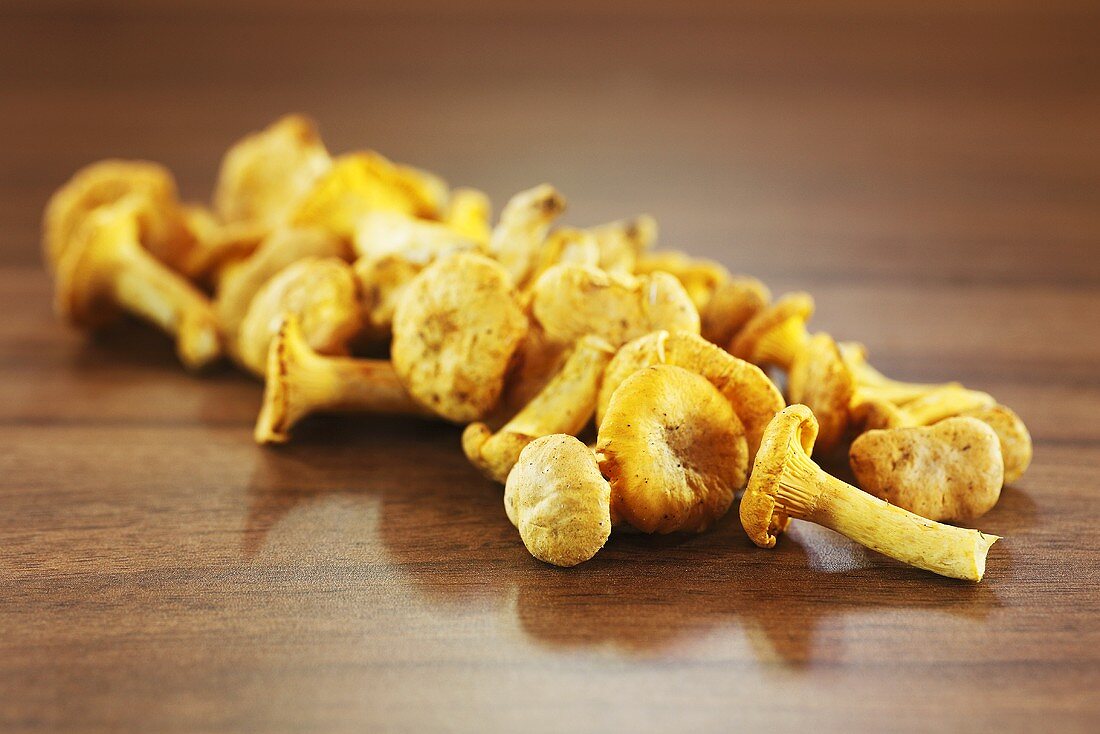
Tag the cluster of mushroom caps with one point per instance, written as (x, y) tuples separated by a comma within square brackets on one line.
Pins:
[(525, 332)]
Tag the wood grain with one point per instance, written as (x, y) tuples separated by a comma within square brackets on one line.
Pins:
[(930, 172)]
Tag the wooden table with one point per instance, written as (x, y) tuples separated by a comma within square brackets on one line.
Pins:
[(930, 173)]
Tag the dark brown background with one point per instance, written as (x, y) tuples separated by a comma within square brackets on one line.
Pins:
[(931, 172)]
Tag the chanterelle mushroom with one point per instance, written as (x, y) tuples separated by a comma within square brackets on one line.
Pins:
[(564, 405), (1014, 437), (104, 270), (321, 292), (468, 213), (931, 407), (621, 243), (775, 335), (820, 379), (571, 301), (559, 501), (301, 382), (755, 399), (699, 276), (524, 223), (672, 449), (455, 332), (951, 471), (872, 383), (786, 483), (732, 305)]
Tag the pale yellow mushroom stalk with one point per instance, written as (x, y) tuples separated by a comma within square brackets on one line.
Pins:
[(300, 382), (104, 270), (873, 383), (559, 501), (564, 405), (933, 406), (525, 221), (786, 484)]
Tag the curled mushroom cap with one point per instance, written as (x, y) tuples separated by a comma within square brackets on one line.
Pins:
[(775, 335), (622, 242), (570, 301), (559, 501), (468, 213), (104, 271), (564, 405), (524, 223), (264, 175), (1014, 437), (755, 398), (672, 449), (732, 305), (359, 183), (786, 484), (820, 379), (320, 291), (151, 192), (699, 276), (300, 382), (951, 471), (455, 332)]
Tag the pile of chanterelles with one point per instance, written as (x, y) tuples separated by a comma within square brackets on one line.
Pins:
[(528, 332)]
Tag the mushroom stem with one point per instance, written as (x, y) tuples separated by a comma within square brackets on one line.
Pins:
[(301, 382), (808, 493), (946, 402)]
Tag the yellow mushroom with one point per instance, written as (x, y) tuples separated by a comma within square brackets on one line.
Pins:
[(755, 399), (239, 281), (700, 277), (103, 270), (933, 406), (321, 291), (786, 484), (873, 383), (952, 471), (455, 333), (621, 243), (1013, 435), (732, 305), (517, 240), (565, 245), (571, 301), (775, 335), (468, 213), (820, 379), (672, 449), (559, 501), (564, 405), (300, 382)]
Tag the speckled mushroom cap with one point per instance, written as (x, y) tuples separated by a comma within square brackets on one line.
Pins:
[(798, 306), (673, 450), (755, 398), (1016, 448), (455, 333), (820, 380), (794, 429)]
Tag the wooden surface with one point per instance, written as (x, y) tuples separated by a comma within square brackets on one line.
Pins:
[(930, 173)]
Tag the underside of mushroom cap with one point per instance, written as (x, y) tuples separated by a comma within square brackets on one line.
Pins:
[(733, 304), (796, 308), (793, 430), (673, 450), (820, 380)]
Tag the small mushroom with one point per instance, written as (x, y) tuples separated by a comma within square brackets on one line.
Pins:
[(786, 484), (1013, 435), (321, 291), (267, 173), (455, 333), (559, 501), (571, 301), (672, 449), (755, 398), (622, 242), (517, 239), (564, 405), (732, 305), (952, 471), (873, 383), (301, 382), (468, 213), (775, 335), (700, 277), (103, 270), (820, 379), (239, 281), (565, 245), (933, 406)]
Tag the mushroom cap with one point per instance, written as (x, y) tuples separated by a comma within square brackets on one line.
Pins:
[(754, 397), (793, 429), (672, 449), (622, 242), (571, 301), (951, 471), (321, 291), (869, 413), (820, 379), (266, 173), (280, 408), (455, 333), (566, 245), (732, 305), (559, 501), (1016, 449), (524, 223), (382, 233), (468, 213), (791, 306), (163, 228), (699, 276)]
